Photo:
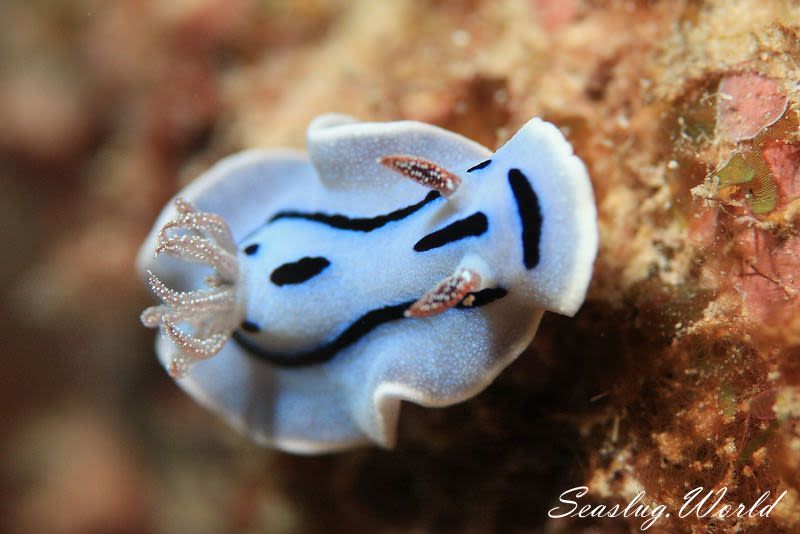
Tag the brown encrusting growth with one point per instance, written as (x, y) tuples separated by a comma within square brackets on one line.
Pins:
[(681, 370)]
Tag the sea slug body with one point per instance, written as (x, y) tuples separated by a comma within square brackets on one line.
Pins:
[(305, 296)]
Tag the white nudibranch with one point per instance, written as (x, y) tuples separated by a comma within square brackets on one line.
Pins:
[(305, 296)]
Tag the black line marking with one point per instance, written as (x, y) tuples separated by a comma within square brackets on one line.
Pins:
[(358, 224), (479, 166), (250, 326), (298, 271), (360, 328), (482, 297), (474, 225), (530, 213), (251, 249)]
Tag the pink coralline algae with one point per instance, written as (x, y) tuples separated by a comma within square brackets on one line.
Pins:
[(751, 230), (747, 104), (766, 274), (784, 162)]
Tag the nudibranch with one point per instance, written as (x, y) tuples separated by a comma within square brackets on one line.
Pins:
[(304, 296)]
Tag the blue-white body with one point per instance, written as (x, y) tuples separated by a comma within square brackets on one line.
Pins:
[(324, 360)]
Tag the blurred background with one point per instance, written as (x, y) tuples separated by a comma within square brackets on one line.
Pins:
[(682, 368)]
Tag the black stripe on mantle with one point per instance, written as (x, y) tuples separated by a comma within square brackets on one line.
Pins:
[(299, 271), (358, 329), (475, 225), (357, 224), (530, 215)]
